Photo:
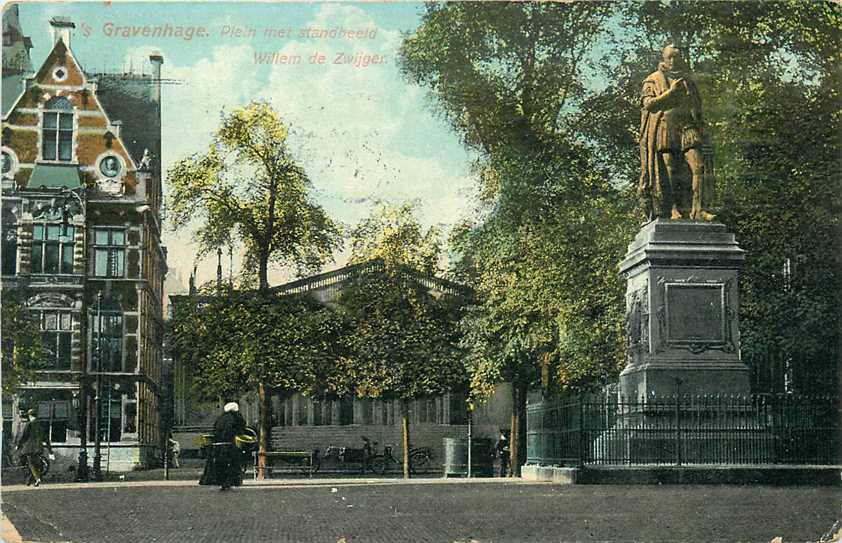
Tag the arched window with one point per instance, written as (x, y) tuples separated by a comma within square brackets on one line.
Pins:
[(57, 130)]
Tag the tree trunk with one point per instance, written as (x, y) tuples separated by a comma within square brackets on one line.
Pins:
[(405, 434), (839, 338), (263, 272), (517, 443), (262, 396), (264, 430), (513, 459)]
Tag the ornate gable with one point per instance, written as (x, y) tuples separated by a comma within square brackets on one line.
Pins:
[(58, 135)]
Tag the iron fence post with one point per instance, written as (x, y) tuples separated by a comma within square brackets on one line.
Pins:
[(677, 422), (580, 446)]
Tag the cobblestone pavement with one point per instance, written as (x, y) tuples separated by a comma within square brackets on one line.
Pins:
[(429, 510)]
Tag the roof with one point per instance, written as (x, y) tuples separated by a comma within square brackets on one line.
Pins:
[(13, 86), (17, 63), (333, 280), (53, 176), (129, 98)]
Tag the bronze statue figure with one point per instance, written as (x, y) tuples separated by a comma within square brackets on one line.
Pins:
[(671, 144)]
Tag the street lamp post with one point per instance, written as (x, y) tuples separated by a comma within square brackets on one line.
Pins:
[(97, 471), (82, 474)]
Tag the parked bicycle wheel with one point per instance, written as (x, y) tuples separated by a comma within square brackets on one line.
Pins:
[(305, 468), (378, 464), (419, 460)]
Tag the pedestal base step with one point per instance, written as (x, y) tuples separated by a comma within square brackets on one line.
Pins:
[(716, 475)]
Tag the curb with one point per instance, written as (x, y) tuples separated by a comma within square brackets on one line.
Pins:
[(269, 483)]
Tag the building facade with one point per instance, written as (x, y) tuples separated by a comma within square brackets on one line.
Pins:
[(81, 232), (308, 423)]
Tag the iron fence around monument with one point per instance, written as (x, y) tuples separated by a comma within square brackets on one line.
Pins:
[(676, 430)]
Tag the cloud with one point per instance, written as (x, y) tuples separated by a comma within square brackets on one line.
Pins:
[(192, 99), (362, 133)]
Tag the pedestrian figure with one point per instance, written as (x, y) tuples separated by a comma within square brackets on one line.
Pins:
[(175, 451), (503, 452), (30, 446), (223, 465)]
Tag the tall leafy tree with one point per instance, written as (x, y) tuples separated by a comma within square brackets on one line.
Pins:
[(509, 77), (764, 69), (23, 348), (237, 341), (248, 189), (404, 338)]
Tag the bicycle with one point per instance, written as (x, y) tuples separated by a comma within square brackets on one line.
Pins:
[(418, 459), (351, 455)]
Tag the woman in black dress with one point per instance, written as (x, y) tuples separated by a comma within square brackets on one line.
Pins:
[(223, 465)]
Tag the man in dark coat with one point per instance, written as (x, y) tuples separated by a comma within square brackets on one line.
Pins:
[(223, 467), (30, 445), (503, 452)]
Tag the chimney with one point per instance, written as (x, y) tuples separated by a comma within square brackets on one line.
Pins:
[(156, 59), (60, 28)]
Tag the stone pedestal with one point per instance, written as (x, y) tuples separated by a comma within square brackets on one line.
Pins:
[(682, 301)]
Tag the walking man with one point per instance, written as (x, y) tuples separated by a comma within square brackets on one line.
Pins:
[(30, 446)]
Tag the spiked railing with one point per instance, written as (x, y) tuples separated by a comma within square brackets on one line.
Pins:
[(782, 429)]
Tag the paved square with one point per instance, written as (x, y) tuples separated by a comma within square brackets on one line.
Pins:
[(422, 511)]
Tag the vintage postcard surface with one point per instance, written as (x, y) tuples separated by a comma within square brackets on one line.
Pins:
[(408, 271)]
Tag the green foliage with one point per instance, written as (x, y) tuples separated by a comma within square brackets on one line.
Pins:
[(393, 235), (515, 80), (21, 341), (542, 259), (770, 75), (404, 340), (504, 72), (247, 188), (236, 340), (785, 203), (549, 292)]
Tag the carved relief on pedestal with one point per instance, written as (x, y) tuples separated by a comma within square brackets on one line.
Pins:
[(637, 322)]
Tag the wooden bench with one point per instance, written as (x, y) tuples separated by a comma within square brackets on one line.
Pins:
[(304, 461)]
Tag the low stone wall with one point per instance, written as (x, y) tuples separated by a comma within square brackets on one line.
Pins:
[(116, 458), (549, 474)]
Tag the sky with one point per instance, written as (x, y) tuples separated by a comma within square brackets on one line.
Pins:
[(361, 132)]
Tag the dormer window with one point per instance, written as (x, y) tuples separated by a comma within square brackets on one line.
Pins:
[(57, 130)]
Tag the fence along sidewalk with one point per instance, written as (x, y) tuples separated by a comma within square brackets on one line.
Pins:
[(676, 430)]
